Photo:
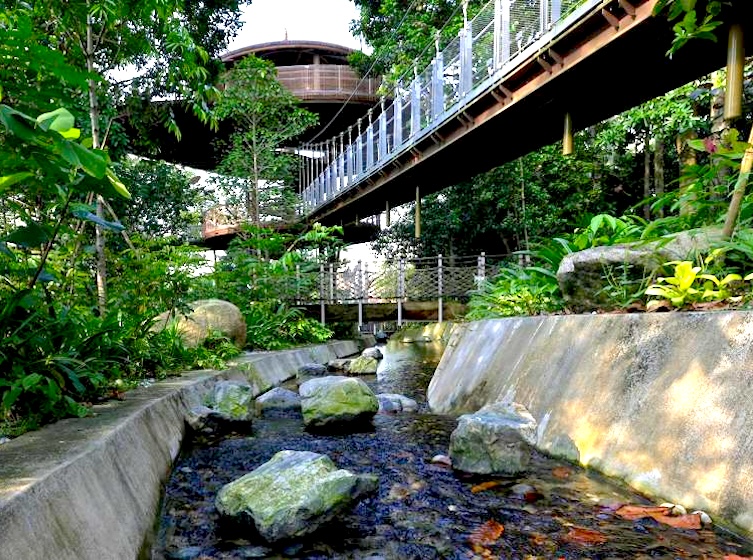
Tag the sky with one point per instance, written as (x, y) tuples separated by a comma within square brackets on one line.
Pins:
[(317, 20)]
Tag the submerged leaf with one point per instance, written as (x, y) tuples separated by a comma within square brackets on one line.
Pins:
[(660, 514), (584, 536), (486, 534), (485, 486)]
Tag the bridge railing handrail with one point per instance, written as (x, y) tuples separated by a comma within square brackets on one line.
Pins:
[(488, 48)]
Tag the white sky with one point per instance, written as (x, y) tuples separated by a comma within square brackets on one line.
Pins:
[(316, 20)]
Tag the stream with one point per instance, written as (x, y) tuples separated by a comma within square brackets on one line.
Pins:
[(422, 510)]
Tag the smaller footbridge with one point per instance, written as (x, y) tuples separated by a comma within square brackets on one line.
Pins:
[(399, 290)]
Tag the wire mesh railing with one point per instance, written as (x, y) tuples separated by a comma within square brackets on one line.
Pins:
[(487, 48)]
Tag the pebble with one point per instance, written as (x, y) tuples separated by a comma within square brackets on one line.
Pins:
[(441, 460), (4, 440), (188, 553)]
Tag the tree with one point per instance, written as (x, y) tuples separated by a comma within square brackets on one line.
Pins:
[(165, 202), (98, 36), (265, 117)]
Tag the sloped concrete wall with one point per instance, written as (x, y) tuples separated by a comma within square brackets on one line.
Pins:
[(89, 488), (663, 401)]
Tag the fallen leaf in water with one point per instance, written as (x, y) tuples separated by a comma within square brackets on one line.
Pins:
[(584, 536), (736, 557), (486, 534), (485, 486), (561, 472), (662, 515)]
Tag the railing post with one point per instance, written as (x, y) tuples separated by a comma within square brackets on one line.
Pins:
[(415, 104), (359, 295), (400, 290), (341, 163), (349, 157), (322, 305), (556, 12), (543, 16), (331, 283), (382, 132), (370, 143), (481, 271), (359, 150), (505, 46), (397, 118), (466, 59), (440, 311), (437, 85)]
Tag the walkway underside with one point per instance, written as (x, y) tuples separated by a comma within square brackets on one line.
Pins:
[(596, 70)]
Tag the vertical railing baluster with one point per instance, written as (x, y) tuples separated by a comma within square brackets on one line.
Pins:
[(437, 81), (370, 143), (415, 104), (351, 172), (382, 132), (505, 28), (397, 119), (341, 163), (298, 284), (440, 310), (331, 283), (359, 151), (400, 290), (322, 305), (359, 295), (556, 12), (466, 60)]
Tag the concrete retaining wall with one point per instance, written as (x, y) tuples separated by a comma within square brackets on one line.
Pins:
[(89, 489), (662, 401)]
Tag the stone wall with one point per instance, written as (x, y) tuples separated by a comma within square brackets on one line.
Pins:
[(662, 401), (89, 488)]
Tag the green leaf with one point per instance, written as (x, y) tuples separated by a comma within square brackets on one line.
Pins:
[(91, 162), (32, 235), (10, 397), (31, 381), (59, 120), (118, 184), (9, 180)]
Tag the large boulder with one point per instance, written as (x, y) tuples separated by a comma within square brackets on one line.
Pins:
[(292, 494), (587, 277), (234, 399), (278, 400), (335, 400), (372, 352), (494, 440), (363, 365), (207, 315)]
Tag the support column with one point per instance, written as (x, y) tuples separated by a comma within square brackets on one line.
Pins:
[(387, 214), (505, 43), (418, 213), (331, 283), (567, 139), (466, 60), (733, 101)]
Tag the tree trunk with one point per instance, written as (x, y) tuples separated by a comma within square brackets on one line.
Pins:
[(99, 243), (735, 204), (646, 176), (685, 158), (659, 170)]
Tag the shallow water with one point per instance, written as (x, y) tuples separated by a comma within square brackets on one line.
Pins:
[(421, 510)]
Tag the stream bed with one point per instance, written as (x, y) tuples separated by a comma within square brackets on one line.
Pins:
[(421, 510)]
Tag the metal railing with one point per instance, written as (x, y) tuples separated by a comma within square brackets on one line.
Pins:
[(395, 282), (490, 46), (315, 81)]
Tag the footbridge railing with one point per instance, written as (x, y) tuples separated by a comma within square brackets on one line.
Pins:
[(488, 48), (391, 282)]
